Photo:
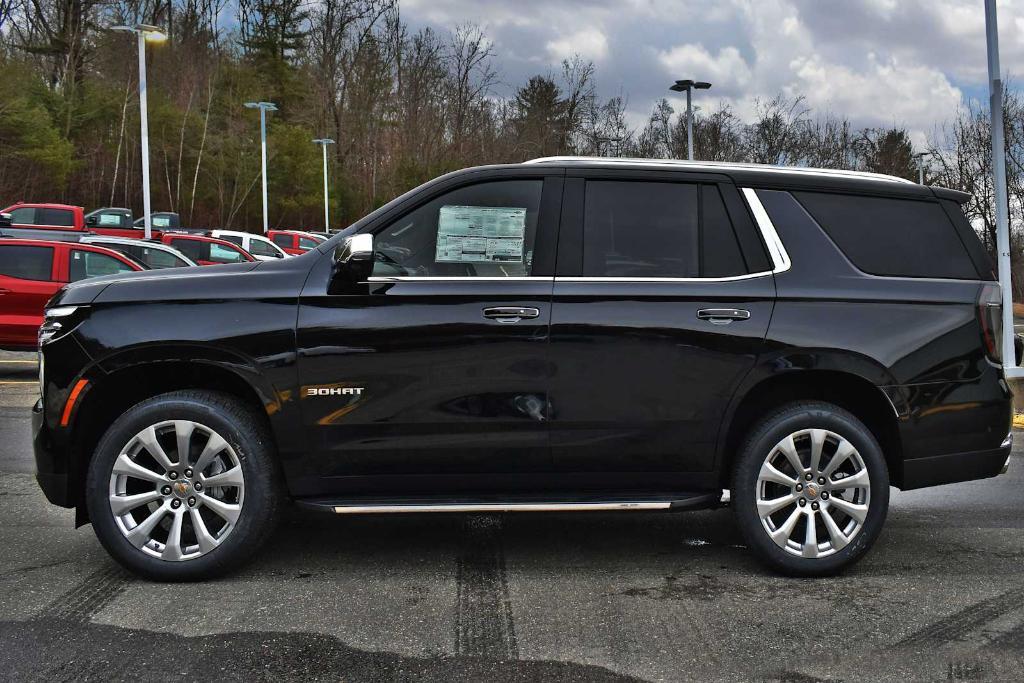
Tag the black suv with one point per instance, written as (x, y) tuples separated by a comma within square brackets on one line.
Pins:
[(565, 334)]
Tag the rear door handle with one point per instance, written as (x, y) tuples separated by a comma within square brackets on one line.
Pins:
[(510, 314), (722, 316)]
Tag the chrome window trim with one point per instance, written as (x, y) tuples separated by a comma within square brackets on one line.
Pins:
[(777, 250), (730, 278), (455, 278)]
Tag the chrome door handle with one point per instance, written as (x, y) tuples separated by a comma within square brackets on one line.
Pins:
[(722, 316), (510, 314)]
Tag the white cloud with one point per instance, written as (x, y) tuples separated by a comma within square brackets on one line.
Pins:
[(694, 61), (589, 43)]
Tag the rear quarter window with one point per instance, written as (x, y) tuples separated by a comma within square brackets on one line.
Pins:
[(892, 237)]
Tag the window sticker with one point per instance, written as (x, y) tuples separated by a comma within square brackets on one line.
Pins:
[(107, 219), (476, 234)]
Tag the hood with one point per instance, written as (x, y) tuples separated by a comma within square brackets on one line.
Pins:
[(144, 285)]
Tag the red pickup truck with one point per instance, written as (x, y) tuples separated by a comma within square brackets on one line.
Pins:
[(66, 218), (31, 271)]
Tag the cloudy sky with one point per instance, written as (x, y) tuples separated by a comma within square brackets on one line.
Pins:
[(880, 62)]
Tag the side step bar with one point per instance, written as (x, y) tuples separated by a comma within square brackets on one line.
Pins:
[(358, 506)]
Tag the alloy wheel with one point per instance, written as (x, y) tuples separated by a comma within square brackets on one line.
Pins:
[(176, 490), (813, 493)]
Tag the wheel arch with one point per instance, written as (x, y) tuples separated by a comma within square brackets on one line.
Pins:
[(850, 391)]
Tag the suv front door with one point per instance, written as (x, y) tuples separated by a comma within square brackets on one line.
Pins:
[(436, 366), (661, 304)]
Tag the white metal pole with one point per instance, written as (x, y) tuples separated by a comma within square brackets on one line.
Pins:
[(263, 146), (999, 171), (327, 217), (689, 125), (920, 170), (144, 123)]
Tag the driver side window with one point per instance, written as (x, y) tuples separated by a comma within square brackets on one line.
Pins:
[(483, 230)]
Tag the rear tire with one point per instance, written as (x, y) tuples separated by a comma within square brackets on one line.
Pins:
[(810, 489), (184, 486)]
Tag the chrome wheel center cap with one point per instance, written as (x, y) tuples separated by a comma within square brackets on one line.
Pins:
[(812, 490), (181, 488)]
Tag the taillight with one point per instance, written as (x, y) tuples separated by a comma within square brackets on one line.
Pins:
[(990, 319)]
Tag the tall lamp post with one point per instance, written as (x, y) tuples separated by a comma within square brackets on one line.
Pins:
[(264, 107), (920, 166), (688, 86), (153, 34), (323, 142)]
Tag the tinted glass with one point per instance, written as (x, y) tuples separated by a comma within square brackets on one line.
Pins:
[(899, 237), (640, 229), (62, 217), (234, 239), (307, 243), (261, 248), (283, 241), (483, 230), (23, 216), (26, 262), (224, 254), (86, 264), (191, 248), (720, 252)]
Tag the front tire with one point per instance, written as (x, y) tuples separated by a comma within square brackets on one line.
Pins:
[(810, 489), (184, 486)]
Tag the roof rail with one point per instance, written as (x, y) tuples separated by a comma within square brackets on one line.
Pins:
[(721, 166)]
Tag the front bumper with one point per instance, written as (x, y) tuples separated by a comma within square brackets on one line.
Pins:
[(51, 461), (947, 469)]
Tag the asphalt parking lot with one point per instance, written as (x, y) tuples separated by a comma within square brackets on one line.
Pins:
[(599, 596)]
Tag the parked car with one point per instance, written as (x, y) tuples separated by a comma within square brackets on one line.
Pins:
[(568, 334), (259, 246), (64, 219), (294, 242), (155, 255), (206, 251), (110, 217), (31, 271)]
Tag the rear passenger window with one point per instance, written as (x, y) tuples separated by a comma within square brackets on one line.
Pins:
[(191, 248), (658, 229), (895, 237), (26, 262), (284, 241), (59, 217)]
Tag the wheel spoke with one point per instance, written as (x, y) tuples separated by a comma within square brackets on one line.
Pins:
[(810, 548), (770, 507), (214, 446), (172, 548), (140, 534), (183, 432), (782, 534), (860, 480), (788, 448), (119, 505), (149, 441), (228, 511), (843, 453), (817, 443), (232, 477), (770, 473), (125, 466), (838, 538), (857, 512), (203, 536)]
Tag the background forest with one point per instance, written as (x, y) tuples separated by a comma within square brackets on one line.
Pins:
[(404, 106)]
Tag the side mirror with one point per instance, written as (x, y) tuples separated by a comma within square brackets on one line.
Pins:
[(91, 221), (353, 262), (6, 220)]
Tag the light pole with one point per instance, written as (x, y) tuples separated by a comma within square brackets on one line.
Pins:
[(323, 142), (687, 86), (153, 34), (264, 107), (999, 173), (920, 166)]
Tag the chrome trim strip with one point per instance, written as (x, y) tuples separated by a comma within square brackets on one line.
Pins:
[(664, 279), (771, 238), (716, 166), (475, 278), (502, 507)]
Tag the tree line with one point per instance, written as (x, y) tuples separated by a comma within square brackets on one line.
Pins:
[(404, 106)]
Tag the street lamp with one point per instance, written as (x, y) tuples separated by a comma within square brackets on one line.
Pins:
[(264, 107), (920, 166), (687, 86), (153, 34), (323, 142)]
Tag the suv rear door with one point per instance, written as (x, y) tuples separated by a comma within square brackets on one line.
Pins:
[(662, 300), (438, 364), (28, 278)]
